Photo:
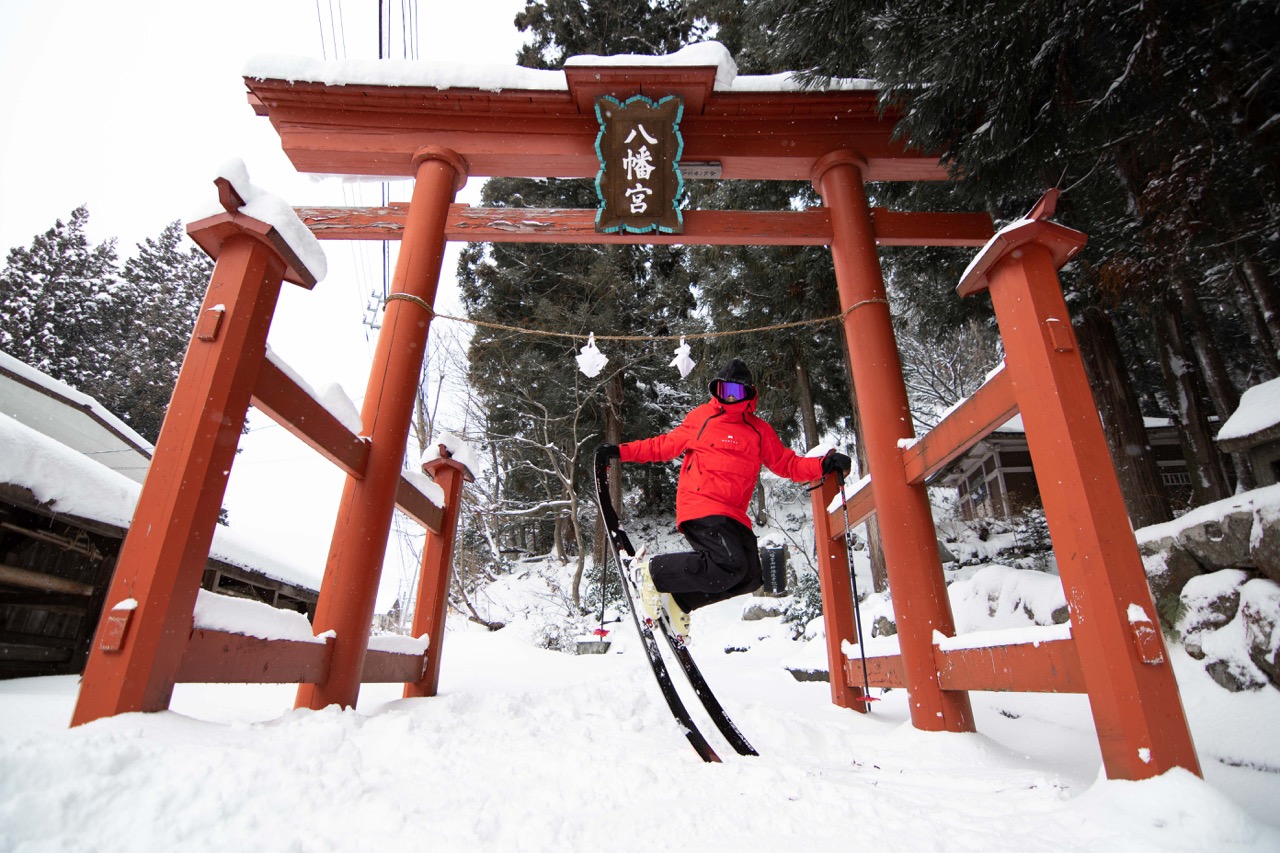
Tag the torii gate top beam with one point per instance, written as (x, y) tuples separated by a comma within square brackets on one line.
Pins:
[(334, 121)]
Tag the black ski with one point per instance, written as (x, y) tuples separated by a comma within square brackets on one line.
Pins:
[(703, 690), (622, 545)]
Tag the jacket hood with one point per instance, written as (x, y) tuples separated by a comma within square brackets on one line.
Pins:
[(734, 370)]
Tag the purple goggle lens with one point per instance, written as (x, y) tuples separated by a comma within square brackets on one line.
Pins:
[(726, 390)]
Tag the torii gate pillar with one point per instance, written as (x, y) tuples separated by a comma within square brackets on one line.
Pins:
[(1133, 695), (910, 543), (140, 641), (432, 602), (349, 589)]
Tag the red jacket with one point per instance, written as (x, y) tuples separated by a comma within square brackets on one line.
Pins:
[(724, 446)]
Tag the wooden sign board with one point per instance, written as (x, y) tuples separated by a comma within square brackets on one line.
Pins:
[(639, 181)]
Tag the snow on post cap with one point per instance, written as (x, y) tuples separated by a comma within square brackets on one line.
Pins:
[(456, 449), (263, 206), (695, 55), (1063, 243)]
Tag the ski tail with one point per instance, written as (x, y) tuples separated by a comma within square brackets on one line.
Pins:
[(702, 690), (621, 546)]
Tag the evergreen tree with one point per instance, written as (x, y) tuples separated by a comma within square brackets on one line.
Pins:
[(1158, 121), (118, 337), (545, 415), (167, 285), (63, 303)]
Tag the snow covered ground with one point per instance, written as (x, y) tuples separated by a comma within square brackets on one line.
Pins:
[(528, 749)]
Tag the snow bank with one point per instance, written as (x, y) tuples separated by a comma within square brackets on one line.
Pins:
[(215, 612)]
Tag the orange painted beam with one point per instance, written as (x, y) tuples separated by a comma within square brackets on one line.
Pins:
[(1133, 695), (432, 603), (384, 667), (363, 525), (861, 506), (962, 428), (278, 396), (288, 404), (362, 129), (701, 227), (417, 506), (882, 671), (910, 543), (1051, 666), (1041, 667), (219, 657)]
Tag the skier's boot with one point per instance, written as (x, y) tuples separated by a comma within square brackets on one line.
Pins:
[(676, 615), (650, 599)]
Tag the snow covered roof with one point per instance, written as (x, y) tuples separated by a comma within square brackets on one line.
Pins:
[(1014, 425), (499, 78), (80, 422), (66, 481), (1255, 420)]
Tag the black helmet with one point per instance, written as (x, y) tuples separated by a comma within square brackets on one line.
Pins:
[(735, 371)]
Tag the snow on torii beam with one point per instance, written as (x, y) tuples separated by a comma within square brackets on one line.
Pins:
[(368, 118), (701, 227)]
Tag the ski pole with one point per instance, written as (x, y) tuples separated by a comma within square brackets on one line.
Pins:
[(857, 610)]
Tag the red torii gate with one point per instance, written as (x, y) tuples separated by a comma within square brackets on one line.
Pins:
[(837, 139)]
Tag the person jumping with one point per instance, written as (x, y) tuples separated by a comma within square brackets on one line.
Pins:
[(724, 446)]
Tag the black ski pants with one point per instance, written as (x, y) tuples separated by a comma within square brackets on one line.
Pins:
[(724, 562)]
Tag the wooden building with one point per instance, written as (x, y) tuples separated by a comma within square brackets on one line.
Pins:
[(69, 478), (1254, 430), (995, 478)]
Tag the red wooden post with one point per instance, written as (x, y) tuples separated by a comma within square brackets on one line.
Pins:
[(837, 596), (137, 653), (437, 569), (1132, 692), (363, 524), (907, 533)]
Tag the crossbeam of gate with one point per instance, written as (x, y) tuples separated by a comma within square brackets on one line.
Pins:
[(701, 227)]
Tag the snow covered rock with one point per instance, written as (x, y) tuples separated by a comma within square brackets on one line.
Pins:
[(1232, 623)]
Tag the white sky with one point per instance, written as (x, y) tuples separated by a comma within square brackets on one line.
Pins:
[(132, 106)]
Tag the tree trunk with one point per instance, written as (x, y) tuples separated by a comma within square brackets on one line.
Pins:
[(1266, 296), (1122, 422), (804, 400), (1208, 480), (1222, 391), (1268, 364)]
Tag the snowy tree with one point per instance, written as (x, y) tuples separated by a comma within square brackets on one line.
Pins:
[(1157, 120), (63, 304), (167, 283), (117, 336), (547, 418)]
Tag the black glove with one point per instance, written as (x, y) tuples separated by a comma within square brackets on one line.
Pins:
[(836, 463), (605, 452)]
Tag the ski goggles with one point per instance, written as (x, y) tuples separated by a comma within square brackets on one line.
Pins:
[(727, 390)]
